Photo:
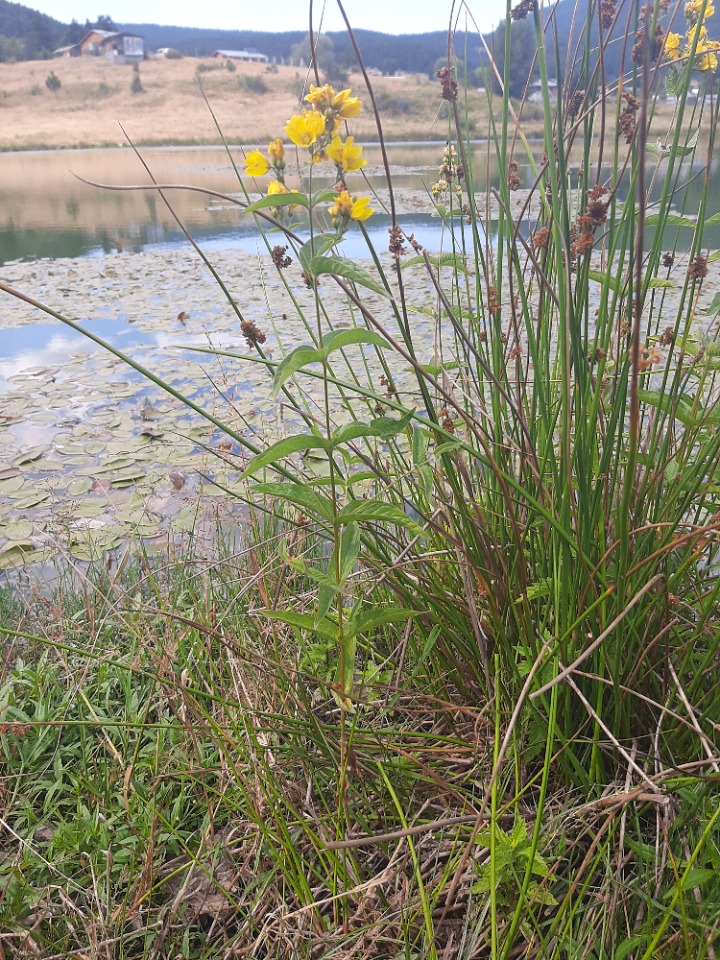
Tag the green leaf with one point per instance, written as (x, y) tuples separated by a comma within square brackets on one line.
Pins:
[(363, 623), (626, 947), (303, 621), (382, 427), (284, 448), (673, 84), (293, 362), (348, 270), (424, 311), (349, 550), (535, 590), (605, 278), (301, 495), (696, 877), (339, 339), (670, 220), (681, 408), (323, 196), (375, 510), (308, 570), (454, 260), (658, 283), (419, 449), (278, 200), (711, 221), (714, 307), (326, 595), (315, 247), (345, 673)]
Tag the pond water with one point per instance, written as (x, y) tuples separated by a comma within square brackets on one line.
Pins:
[(45, 211), (90, 452)]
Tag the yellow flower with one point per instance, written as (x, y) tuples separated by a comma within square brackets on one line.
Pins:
[(672, 46), (275, 187), (345, 208), (304, 128), (276, 149), (342, 206), (360, 209), (708, 62), (702, 37), (346, 155), (346, 105), (256, 165), (320, 97), (693, 8)]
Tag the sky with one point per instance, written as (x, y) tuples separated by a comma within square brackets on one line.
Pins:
[(400, 16)]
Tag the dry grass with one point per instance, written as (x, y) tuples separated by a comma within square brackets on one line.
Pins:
[(95, 95)]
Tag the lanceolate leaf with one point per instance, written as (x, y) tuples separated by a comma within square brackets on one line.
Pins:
[(382, 427), (714, 307), (293, 362), (303, 621), (323, 196), (363, 623), (348, 270), (671, 220), (315, 247), (284, 448), (326, 595), (454, 260), (349, 550), (339, 339), (682, 409), (604, 278), (315, 504), (278, 200), (368, 510)]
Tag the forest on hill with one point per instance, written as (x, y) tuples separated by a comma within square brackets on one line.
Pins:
[(26, 34)]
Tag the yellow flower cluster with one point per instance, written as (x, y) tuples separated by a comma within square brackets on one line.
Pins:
[(316, 129), (345, 209), (257, 164), (706, 51)]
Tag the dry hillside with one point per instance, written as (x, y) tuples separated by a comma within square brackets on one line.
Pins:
[(251, 103)]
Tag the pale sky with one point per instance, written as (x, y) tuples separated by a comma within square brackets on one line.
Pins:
[(400, 16)]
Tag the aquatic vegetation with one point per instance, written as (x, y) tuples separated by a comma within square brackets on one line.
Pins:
[(462, 698)]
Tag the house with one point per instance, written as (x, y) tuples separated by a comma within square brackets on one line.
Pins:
[(73, 50), (535, 91), (123, 47), (119, 47), (250, 55)]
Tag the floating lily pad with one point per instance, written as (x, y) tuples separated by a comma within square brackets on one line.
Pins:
[(11, 485), (19, 531), (29, 500), (79, 486), (29, 456), (18, 555), (94, 448)]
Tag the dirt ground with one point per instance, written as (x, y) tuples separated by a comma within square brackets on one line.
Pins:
[(95, 97)]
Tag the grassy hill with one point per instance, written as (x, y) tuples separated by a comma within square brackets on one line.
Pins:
[(95, 95)]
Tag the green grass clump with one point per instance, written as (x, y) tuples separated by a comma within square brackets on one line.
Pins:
[(459, 698)]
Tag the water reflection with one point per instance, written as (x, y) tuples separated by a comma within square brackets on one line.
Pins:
[(46, 212)]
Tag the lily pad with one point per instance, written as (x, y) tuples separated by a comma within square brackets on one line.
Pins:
[(19, 531), (79, 486), (11, 485)]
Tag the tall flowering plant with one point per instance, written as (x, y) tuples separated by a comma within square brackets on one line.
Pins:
[(342, 620), (317, 130)]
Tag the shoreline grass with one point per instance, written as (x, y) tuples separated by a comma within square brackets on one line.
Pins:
[(457, 696)]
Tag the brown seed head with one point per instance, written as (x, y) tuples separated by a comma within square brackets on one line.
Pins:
[(698, 269)]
